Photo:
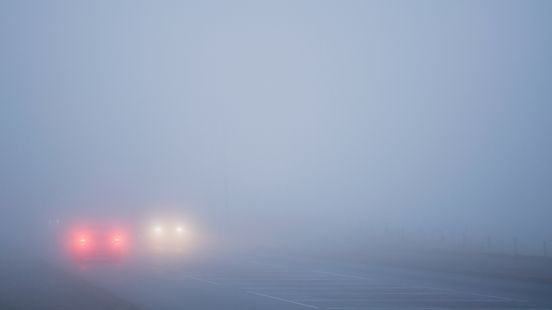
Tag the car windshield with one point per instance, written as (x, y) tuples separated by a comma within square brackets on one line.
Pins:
[(275, 154)]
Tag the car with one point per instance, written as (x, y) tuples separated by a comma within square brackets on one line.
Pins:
[(98, 242), (168, 236)]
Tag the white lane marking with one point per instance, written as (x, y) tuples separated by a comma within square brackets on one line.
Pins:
[(294, 294), (441, 289), (447, 295), (283, 299), (426, 295), (269, 265), (385, 308), (387, 299), (305, 279), (477, 294), (341, 275), (433, 288), (418, 308), (203, 280), (352, 289), (315, 271)]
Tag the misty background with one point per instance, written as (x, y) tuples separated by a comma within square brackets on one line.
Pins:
[(299, 120)]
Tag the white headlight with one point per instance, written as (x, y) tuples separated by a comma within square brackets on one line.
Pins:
[(158, 229)]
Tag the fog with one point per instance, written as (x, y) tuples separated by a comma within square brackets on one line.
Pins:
[(307, 123)]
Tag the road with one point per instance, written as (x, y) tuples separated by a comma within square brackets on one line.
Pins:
[(270, 282), (28, 282)]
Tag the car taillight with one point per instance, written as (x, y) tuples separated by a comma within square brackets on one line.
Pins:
[(82, 239), (82, 242)]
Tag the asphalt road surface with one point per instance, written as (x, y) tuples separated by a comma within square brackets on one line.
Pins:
[(269, 282), (27, 282)]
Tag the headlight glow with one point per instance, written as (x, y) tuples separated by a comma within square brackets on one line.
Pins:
[(158, 229)]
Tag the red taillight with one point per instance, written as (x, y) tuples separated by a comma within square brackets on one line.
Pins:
[(82, 239), (85, 241), (82, 242)]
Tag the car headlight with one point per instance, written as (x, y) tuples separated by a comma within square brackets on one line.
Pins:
[(158, 229)]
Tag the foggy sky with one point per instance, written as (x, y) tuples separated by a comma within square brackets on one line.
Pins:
[(331, 114)]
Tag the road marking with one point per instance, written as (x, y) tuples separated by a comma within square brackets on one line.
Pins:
[(365, 278), (418, 308), (315, 271), (341, 275), (203, 280), (351, 288), (386, 308), (283, 299), (269, 265), (387, 299), (477, 294)]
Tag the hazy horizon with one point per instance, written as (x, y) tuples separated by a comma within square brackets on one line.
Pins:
[(276, 116)]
